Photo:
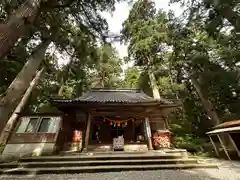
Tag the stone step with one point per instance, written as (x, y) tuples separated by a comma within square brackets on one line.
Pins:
[(83, 157), (93, 169), (98, 163)]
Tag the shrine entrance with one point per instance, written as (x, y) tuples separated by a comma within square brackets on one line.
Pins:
[(125, 114), (105, 129)]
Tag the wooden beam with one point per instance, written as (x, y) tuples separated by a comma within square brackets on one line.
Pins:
[(234, 144), (88, 131), (214, 146), (224, 148), (121, 114), (148, 132)]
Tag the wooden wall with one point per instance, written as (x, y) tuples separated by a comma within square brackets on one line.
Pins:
[(35, 137)]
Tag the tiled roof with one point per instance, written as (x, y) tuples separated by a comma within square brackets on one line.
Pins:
[(111, 96), (228, 124)]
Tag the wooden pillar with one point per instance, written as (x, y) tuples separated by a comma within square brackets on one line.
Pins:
[(148, 132), (224, 148), (234, 145), (88, 131), (166, 126), (133, 131), (214, 146)]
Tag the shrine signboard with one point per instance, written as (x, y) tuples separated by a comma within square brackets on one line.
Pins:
[(118, 143)]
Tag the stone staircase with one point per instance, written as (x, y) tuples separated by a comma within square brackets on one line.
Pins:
[(100, 162)]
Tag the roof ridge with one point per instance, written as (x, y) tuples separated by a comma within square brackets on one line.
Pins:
[(115, 90)]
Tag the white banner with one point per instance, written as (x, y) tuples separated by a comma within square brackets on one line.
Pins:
[(148, 129)]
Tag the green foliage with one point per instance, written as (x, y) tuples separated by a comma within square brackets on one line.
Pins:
[(191, 143), (196, 44), (74, 27), (131, 78), (145, 29), (107, 70), (176, 50)]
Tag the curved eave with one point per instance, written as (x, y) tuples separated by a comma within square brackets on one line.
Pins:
[(224, 130), (228, 124), (67, 102)]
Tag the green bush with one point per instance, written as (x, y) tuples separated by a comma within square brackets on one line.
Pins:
[(190, 143), (1, 148)]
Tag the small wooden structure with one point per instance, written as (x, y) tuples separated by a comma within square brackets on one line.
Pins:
[(94, 120), (228, 134), (34, 134)]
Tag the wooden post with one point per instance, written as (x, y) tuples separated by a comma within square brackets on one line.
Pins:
[(224, 148), (134, 135), (148, 132), (88, 131), (214, 146), (166, 126), (234, 145)]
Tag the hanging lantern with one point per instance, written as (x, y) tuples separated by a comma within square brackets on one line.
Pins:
[(126, 123), (111, 123), (114, 124), (118, 124)]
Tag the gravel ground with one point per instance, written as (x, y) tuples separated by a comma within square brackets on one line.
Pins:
[(227, 171)]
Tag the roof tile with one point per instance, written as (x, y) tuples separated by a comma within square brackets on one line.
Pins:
[(112, 96)]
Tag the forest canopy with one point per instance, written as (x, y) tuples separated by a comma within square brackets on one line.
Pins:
[(193, 58)]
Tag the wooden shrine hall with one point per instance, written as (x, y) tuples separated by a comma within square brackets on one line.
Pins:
[(100, 120)]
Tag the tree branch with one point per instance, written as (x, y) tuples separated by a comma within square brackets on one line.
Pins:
[(66, 4)]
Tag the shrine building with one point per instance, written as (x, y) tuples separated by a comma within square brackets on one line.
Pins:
[(100, 120)]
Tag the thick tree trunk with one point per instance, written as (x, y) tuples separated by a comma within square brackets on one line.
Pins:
[(17, 24), (208, 106), (60, 91), (227, 12), (231, 16), (12, 120), (153, 83), (102, 83), (11, 98)]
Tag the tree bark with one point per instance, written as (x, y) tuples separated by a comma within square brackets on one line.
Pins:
[(231, 16), (153, 83), (208, 106), (11, 98), (227, 12), (17, 24), (60, 91), (12, 120)]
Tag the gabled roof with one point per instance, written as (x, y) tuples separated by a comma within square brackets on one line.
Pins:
[(119, 96), (225, 130), (226, 127), (228, 124)]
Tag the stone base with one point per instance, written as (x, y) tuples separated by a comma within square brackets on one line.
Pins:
[(180, 152), (108, 162), (100, 147), (136, 147), (108, 147), (31, 149)]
